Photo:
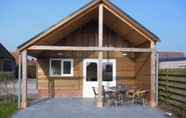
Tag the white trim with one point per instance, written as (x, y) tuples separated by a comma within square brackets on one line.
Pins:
[(62, 60), (50, 68), (105, 83), (72, 67)]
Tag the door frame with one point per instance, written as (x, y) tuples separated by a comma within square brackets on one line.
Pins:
[(106, 83)]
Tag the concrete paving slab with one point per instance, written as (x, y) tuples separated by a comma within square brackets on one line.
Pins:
[(86, 108)]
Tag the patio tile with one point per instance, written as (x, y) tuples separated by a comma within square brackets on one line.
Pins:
[(86, 108)]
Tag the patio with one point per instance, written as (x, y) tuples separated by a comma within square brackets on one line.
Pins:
[(85, 108)]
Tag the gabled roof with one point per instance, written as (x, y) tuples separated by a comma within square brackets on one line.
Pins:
[(82, 10), (4, 53)]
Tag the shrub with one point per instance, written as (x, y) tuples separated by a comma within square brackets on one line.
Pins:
[(6, 76)]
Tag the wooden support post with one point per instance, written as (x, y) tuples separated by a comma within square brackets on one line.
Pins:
[(19, 83), (157, 76), (100, 91), (24, 80), (153, 77), (100, 57)]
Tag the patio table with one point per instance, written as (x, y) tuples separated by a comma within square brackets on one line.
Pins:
[(116, 94)]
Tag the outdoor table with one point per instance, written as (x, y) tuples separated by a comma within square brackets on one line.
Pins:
[(117, 94)]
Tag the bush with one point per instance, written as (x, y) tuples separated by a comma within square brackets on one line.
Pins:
[(6, 76)]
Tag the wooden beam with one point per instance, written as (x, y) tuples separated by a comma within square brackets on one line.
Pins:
[(79, 48), (157, 76), (153, 77), (100, 57), (143, 64), (24, 80), (19, 83), (100, 79)]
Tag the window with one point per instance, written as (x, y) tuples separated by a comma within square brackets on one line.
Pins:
[(91, 71), (67, 67), (55, 67), (107, 71), (61, 67)]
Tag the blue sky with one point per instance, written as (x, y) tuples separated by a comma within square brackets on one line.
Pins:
[(20, 20)]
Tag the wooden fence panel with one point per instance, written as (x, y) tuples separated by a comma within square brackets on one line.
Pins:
[(172, 87)]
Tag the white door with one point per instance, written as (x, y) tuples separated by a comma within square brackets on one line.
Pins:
[(90, 75)]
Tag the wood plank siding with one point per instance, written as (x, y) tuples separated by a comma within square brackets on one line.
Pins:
[(126, 67), (87, 35), (68, 85)]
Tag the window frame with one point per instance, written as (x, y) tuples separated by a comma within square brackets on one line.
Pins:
[(62, 60), (71, 68)]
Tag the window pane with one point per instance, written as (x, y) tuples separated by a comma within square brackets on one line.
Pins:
[(56, 67), (91, 72), (67, 67), (7, 66), (107, 71)]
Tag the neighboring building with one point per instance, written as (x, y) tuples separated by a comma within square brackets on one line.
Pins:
[(173, 63), (170, 54), (7, 62), (71, 53), (172, 60), (31, 63)]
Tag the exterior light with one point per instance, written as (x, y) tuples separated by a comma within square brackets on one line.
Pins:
[(125, 54), (60, 54)]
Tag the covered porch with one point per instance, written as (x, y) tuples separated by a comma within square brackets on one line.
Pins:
[(132, 73), (98, 31)]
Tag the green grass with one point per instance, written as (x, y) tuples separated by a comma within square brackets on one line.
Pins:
[(7, 110)]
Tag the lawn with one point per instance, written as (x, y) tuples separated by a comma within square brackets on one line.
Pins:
[(6, 110)]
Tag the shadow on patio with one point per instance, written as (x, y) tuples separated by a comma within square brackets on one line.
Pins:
[(85, 108)]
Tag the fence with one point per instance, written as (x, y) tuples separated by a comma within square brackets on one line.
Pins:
[(172, 87), (9, 89)]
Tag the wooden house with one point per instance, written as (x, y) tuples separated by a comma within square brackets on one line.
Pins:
[(97, 45), (7, 62)]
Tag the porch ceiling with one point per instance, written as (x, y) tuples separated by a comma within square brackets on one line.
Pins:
[(123, 29), (110, 20), (69, 27), (85, 54)]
